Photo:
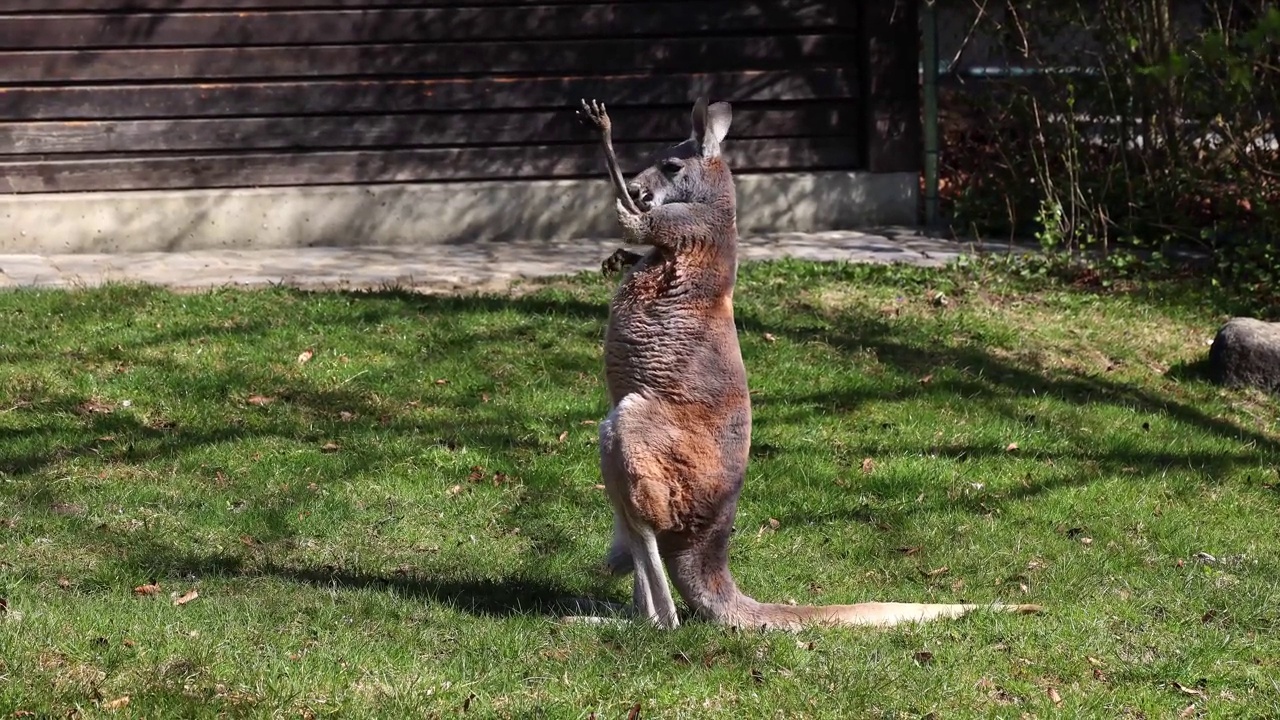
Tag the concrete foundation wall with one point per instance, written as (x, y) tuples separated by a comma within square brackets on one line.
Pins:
[(390, 215)]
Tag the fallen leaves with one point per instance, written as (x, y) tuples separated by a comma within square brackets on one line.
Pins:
[(769, 337), (186, 597), (117, 704), (1187, 690), (937, 572), (94, 407), (1054, 696), (330, 447), (923, 657), (305, 356), (868, 465), (151, 588), (1011, 447), (260, 400)]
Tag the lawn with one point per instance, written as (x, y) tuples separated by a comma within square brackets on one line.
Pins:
[(287, 504)]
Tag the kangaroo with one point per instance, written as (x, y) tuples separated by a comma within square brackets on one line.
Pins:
[(674, 446)]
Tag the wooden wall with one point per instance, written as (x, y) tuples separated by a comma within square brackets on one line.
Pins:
[(147, 94)]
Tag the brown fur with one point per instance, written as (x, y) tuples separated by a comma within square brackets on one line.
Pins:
[(674, 447)]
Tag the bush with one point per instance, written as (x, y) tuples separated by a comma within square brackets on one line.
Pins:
[(1162, 132)]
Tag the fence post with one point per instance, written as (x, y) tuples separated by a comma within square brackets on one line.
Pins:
[(890, 42)]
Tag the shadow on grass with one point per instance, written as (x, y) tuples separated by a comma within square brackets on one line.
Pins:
[(307, 410), (908, 351)]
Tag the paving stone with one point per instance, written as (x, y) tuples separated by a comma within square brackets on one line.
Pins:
[(486, 265)]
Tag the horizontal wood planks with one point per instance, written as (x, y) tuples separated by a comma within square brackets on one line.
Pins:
[(435, 24), (522, 57), (146, 94), (379, 166), (407, 130)]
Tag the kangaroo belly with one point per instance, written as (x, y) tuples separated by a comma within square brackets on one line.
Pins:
[(674, 464)]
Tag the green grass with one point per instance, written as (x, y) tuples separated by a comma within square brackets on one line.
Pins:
[(356, 557)]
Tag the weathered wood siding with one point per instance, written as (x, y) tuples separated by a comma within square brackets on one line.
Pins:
[(149, 94)]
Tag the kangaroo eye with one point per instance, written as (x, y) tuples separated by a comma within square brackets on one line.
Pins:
[(671, 166)]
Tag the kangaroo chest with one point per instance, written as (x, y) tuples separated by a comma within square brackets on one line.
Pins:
[(669, 336)]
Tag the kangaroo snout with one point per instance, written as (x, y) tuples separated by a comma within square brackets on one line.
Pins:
[(643, 196)]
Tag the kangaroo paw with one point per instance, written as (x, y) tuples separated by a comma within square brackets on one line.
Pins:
[(593, 114), (619, 261)]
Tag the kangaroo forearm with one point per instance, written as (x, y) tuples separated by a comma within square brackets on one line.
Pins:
[(615, 173)]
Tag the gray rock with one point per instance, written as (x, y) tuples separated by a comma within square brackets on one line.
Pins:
[(1246, 352)]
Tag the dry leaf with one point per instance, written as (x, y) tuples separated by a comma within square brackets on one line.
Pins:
[(958, 585), (768, 337), (1188, 690), (91, 407), (563, 436), (346, 415), (924, 657), (1054, 696), (455, 489), (306, 356), (910, 550), (64, 583), (868, 465), (1188, 711), (117, 704), (329, 447), (477, 474), (634, 714), (587, 422), (186, 597), (1086, 541), (148, 589), (260, 400), (926, 379), (598, 487), (773, 523), (757, 676), (1011, 447), (248, 540), (441, 381), (939, 571), (499, 478)]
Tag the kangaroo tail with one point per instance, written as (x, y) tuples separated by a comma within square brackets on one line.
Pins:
[(748, 612)]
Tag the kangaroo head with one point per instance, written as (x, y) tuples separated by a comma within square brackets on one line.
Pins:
[(692, 171)]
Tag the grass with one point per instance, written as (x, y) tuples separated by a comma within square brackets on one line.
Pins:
[(384, 530)]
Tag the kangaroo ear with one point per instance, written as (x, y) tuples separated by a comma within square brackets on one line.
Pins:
[(710, 125)]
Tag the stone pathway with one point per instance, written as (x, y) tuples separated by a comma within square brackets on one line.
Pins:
[(477, 265)]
